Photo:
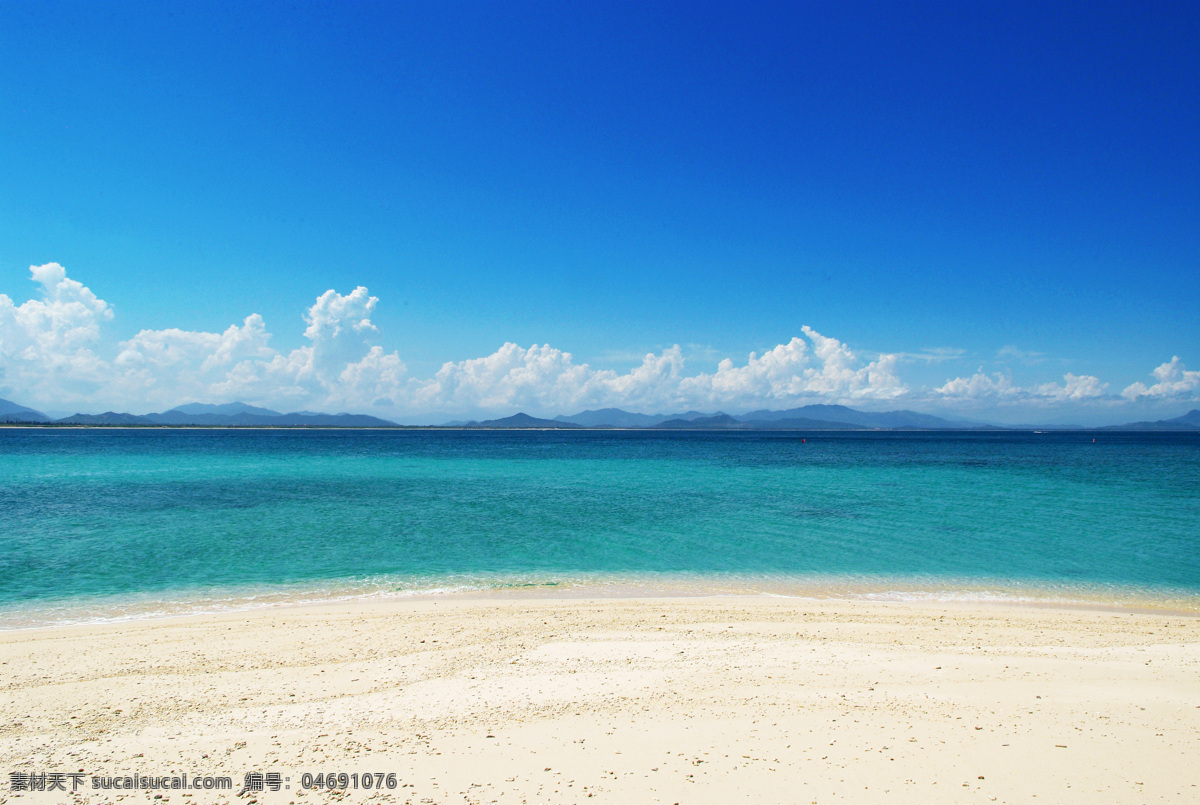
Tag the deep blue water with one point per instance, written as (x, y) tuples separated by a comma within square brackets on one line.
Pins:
[(97, 514)]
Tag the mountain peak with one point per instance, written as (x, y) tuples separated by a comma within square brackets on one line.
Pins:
[(12, 412), (523, 420), (224, 409)]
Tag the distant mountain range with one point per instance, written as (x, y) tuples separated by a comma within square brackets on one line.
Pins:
[(201, 414), (519, 421), (616, 418), (807, 418), (11, 412), (1189, 421), (861, 419)]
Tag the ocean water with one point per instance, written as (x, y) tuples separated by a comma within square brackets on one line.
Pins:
[(102, 523)]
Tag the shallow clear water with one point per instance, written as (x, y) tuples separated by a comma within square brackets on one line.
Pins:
[(139, 518)]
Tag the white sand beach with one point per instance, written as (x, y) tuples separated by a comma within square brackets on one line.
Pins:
[(673, 700)]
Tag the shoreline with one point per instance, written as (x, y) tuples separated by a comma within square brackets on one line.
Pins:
[(564, 588), (523, 699)]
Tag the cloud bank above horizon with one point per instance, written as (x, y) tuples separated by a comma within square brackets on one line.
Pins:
[(54, 352)]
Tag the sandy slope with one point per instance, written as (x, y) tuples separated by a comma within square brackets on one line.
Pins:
[(664, 700)]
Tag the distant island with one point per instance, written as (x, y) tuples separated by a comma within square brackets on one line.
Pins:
[(804, 418), (229, 415)]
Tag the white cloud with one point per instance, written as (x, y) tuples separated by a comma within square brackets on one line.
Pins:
[(163, 366), (933, 355), (340, 329), (50, 341), (980, 386), (655, 383), (539, 377), (378, 377), (793, 371), (1074, 388), (1011, 352), (547, 379), (1175, 381), (197, 350), (341, 368), (65, 320), (999, 387), (54, 352)]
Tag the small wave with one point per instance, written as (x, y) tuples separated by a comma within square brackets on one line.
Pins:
[(87, 611)]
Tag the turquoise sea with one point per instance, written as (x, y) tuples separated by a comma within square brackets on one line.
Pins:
[(98, 523)]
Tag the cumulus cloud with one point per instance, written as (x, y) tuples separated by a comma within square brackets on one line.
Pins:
[(1075, 388), (545, 378), (539, 377), (980, 386), (1175, 381), (340, 329), (378, 376), (66, 319), (51, 340), (195, 351), (55, 351), (999, 387), (795, 371), (340, 367), (163, 367)]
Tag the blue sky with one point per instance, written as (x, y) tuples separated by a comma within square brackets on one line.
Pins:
[(1006, 195)]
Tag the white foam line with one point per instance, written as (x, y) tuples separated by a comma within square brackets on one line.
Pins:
[(66, 615), (43, 618)]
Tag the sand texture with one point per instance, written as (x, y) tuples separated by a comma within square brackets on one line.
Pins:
[(726, 699)]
